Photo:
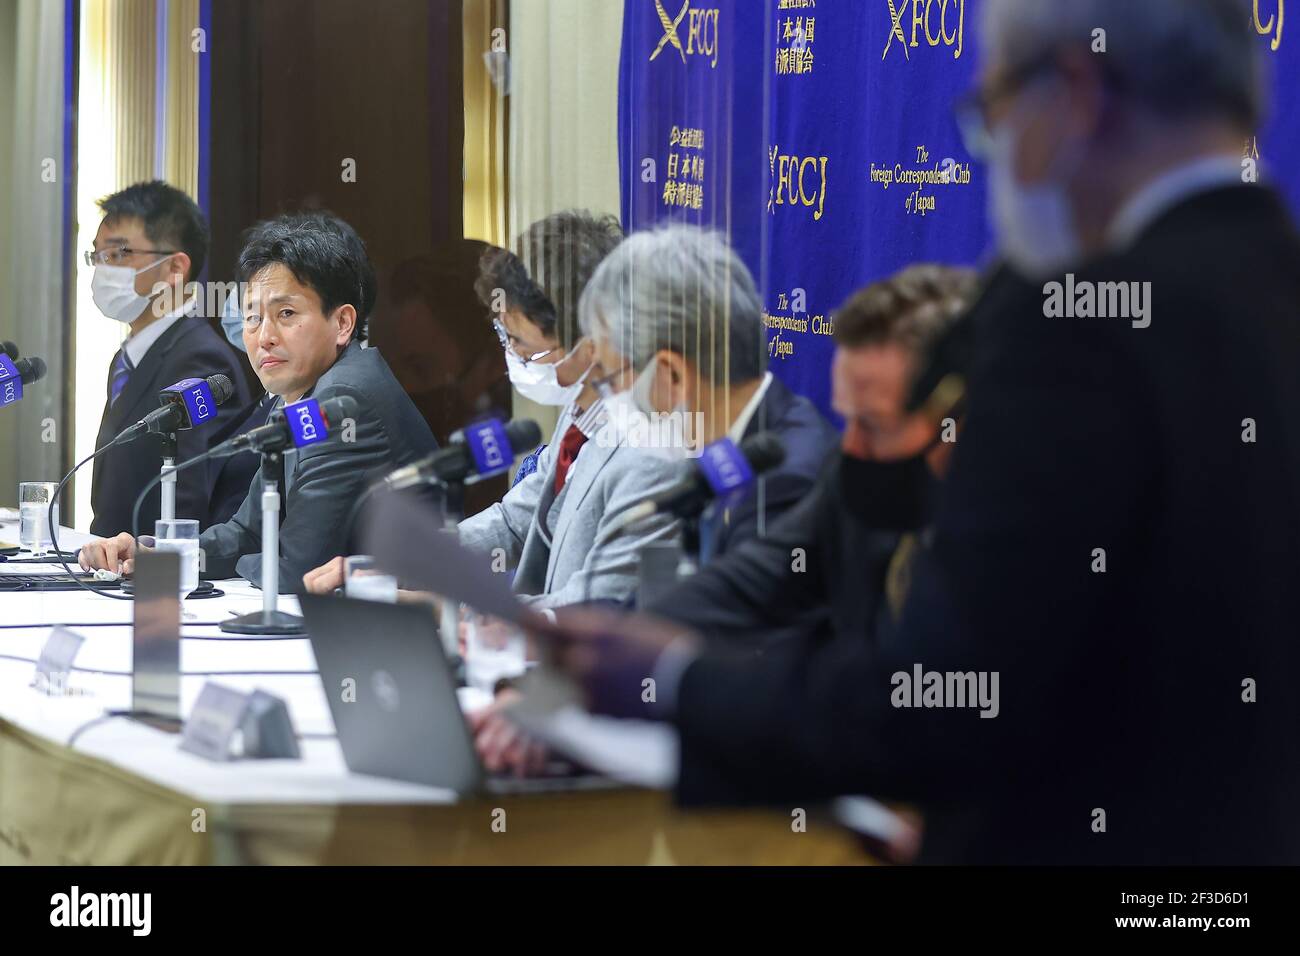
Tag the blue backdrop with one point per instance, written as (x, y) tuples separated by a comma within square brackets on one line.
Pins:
[(819, 134)]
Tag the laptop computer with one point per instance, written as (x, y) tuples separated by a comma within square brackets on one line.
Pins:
[(392, 694)]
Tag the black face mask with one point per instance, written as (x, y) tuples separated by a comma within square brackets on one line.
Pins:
[(887, 495)]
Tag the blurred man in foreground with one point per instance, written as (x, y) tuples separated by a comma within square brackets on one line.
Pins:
[(1097, 660)]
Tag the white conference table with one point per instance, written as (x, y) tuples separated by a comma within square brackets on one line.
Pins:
[(123, 792)]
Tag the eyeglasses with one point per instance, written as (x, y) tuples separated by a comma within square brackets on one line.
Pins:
[(973, 109), (504, 338), (603, 385), (114, 255)]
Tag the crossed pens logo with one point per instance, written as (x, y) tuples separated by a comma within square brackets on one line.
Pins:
[(701, 32), (943, 23)]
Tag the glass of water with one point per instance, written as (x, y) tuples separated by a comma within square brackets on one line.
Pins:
[(181, 535), (34, 499), (362, 579)]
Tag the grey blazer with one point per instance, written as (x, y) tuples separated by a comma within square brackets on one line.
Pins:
[(323, 480), (572, 554)]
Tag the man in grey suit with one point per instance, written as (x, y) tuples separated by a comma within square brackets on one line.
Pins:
[(310, 289), (564, 541)]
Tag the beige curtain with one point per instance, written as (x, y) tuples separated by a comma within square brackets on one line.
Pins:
[(137, 120), (486, 107), (552, 142), (564, 107), (32, 257)]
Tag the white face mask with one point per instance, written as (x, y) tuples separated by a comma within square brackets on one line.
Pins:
[(232, 321), (538, 382), (631, 421), (113, 290), (1035, 224)]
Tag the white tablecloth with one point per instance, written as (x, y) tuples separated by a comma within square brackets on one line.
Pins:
[(284, 667)]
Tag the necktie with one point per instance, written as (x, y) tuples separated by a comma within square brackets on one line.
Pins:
[(569, 445), (118, 375)]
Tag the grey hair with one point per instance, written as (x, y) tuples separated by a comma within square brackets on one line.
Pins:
[(1179, 58), (683, 289)]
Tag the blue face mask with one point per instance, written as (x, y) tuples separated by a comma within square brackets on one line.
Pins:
[(232, 321)]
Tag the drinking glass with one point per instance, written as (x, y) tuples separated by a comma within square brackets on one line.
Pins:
[(34, 499)]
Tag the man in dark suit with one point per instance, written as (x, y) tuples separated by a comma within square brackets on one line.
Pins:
[(310, 287), (152, 241), (822, 557), (1116, 548)]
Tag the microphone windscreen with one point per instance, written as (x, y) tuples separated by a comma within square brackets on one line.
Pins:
[(524, 434), (221, 387), (10, 350), (338, 408), (31, 370), (764, 451)]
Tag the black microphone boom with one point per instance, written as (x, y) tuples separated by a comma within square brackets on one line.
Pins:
[(31, 370), (276, 435), (174, 415), (690, 496), (456, 463)]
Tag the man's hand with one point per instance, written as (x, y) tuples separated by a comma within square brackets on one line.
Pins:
[(502, 745), (326, 579), (613, 657), (109, 554)]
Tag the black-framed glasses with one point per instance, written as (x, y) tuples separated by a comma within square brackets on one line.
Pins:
[(113, 255), (504, 338)]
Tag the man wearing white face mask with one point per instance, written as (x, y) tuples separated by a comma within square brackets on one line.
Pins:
[(152, 241), (556, 525), (682, 349)]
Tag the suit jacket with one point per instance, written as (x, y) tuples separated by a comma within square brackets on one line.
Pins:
[(807, 438), (1147, 712), (189, 349), (758, 594), (564, 548), (323, 480), (230, 478)]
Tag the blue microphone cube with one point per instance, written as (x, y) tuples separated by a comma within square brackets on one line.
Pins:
[(11, 383), (490, 446), (196, 395), (727, 471), (306, 423)]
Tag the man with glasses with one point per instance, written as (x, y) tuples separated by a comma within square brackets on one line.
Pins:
[(310, 291), (556, 527), (152, 241)]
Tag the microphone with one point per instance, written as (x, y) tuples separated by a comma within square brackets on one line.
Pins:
[(480, 451), (14, 375), (185, 405), (10, 350), (723, 471), (300, 424)]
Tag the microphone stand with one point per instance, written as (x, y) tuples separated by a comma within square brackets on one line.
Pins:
[(270, 621), (168, 478), (453, 509)]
